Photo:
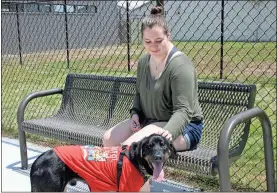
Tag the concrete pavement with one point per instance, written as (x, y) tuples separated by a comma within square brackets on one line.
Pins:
[(13, 178)]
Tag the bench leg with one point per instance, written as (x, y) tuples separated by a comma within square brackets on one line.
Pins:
[(23, 149)]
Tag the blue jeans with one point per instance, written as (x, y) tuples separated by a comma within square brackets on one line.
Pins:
[(192, 134)]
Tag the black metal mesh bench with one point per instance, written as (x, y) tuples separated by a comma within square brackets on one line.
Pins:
[(92, 104)]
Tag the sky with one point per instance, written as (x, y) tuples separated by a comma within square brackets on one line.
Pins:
[(132, 4)]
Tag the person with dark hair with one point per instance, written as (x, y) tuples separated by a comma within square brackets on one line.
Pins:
[(166, 100)]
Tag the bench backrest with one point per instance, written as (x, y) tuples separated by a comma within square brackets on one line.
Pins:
[(219, 102), (105, 101), (97, 100)]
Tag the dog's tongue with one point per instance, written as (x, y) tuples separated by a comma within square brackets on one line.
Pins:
[(158, 173)]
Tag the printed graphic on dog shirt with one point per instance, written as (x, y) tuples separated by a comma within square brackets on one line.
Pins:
[(95, 153)]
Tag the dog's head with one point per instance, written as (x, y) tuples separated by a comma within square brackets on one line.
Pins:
[(153, 152)]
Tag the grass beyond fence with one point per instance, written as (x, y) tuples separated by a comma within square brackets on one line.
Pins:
[(41, 71)]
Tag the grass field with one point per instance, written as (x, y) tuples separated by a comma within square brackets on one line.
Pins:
[(243, 62)]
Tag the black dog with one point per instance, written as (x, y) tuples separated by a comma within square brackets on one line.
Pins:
[(101, 170)]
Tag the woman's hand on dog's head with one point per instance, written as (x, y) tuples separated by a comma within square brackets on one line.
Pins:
[(166, 134)]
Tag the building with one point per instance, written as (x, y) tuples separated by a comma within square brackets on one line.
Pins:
[(253, 21), (53, 25)]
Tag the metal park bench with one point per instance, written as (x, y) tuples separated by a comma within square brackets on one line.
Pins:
[(92, 104)]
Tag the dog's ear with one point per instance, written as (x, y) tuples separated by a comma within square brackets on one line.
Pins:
[(139, 152), (143, 162), (134, 148), (142, 144), (172, 150)]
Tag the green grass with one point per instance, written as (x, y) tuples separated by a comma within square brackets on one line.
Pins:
[(40, 73)]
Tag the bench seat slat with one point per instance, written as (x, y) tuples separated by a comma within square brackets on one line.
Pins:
[(76, 132), (66, 130)]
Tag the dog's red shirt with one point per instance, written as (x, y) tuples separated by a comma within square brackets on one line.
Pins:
[(98, 167)]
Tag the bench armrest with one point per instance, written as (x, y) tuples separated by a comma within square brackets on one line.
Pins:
[(31, 96), (223, 147)]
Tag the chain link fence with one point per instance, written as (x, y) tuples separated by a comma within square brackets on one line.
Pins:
[(234, 41)]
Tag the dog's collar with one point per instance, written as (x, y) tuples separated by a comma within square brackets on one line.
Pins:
[(124, 152)]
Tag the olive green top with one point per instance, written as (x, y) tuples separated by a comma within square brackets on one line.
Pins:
[(173, 97)]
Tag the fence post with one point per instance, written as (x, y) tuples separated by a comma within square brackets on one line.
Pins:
[(128, 36), (275, 111), (18, 35), (66, 35), (221, 39)]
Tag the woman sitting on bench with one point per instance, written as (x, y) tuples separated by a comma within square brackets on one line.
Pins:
[(166, 101)]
